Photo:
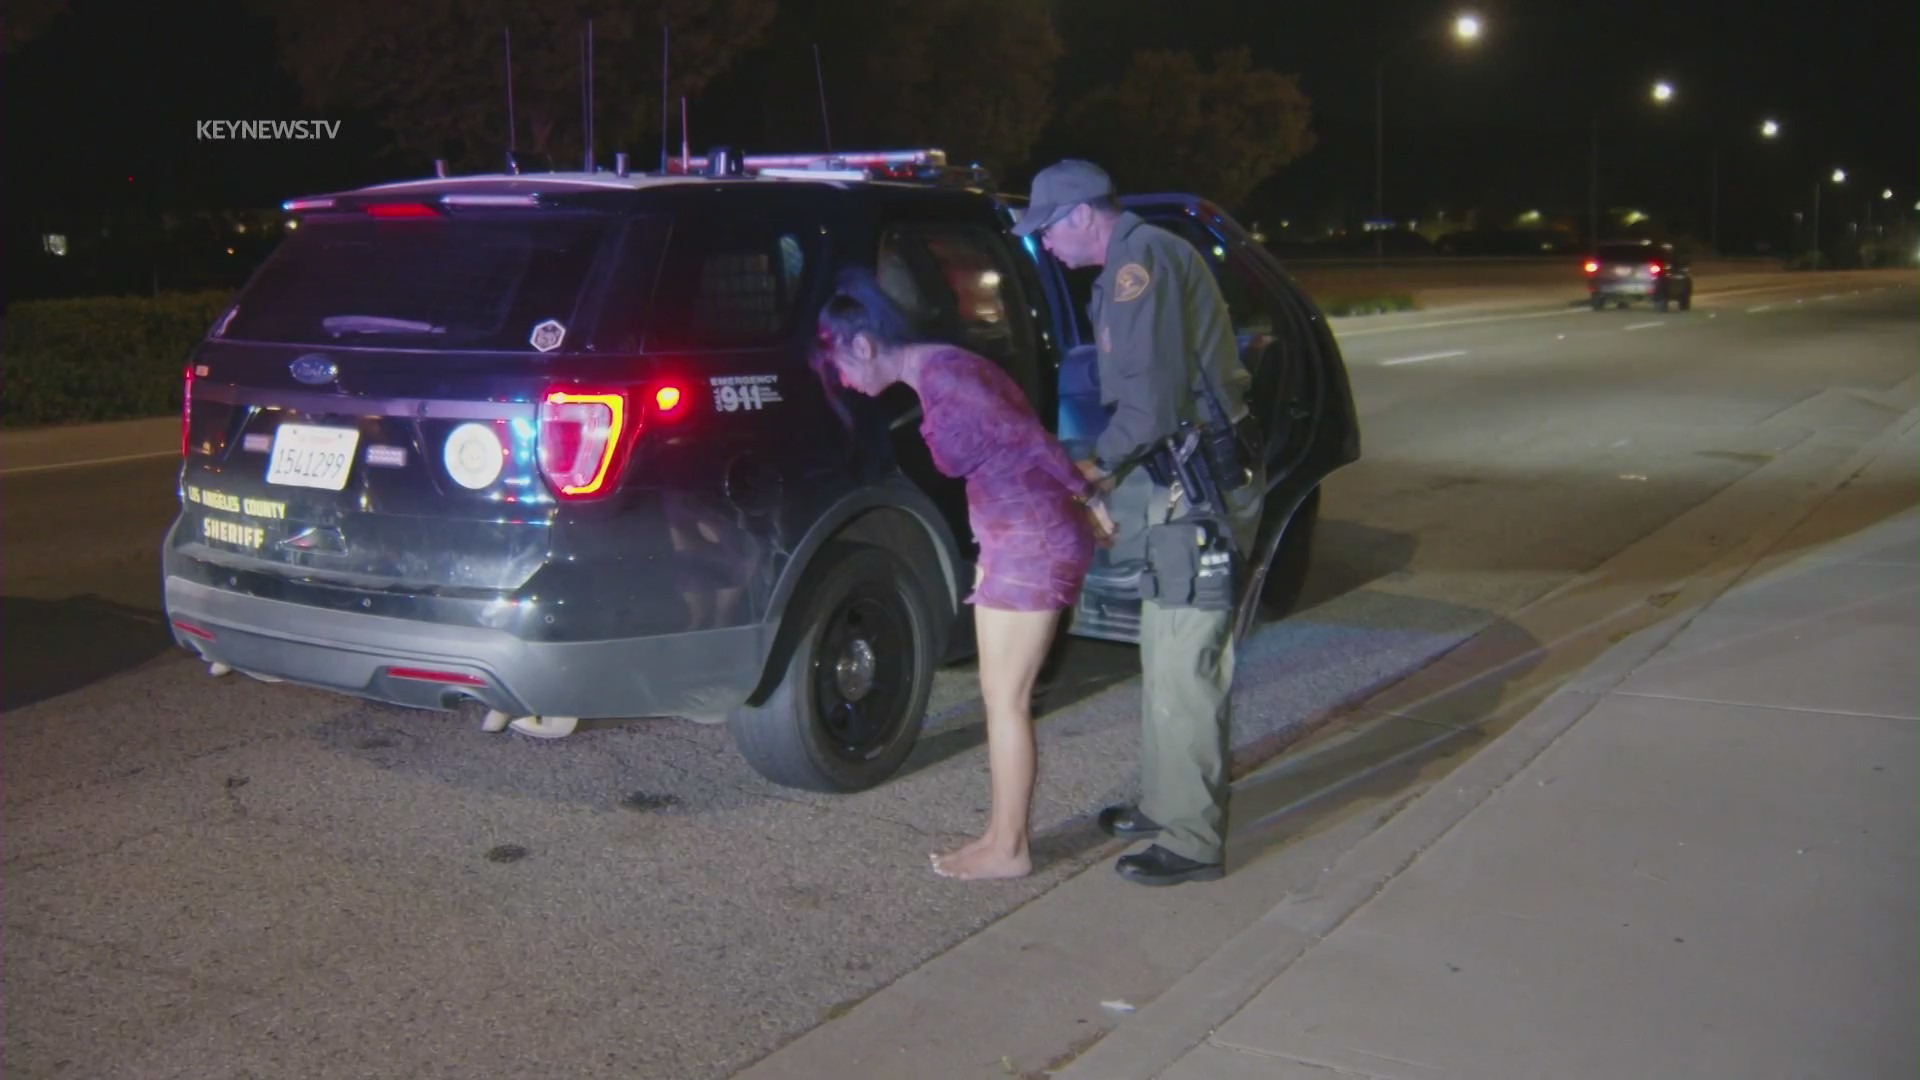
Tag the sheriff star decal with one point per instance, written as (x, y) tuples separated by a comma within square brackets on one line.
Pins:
[(1130, 283)]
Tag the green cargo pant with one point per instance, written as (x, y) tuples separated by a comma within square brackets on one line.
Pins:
[(1186, 660)]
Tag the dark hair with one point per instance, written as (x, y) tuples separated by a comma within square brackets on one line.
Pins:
[(860, 306)]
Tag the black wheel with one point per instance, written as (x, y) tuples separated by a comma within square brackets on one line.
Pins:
[(1599, 302), (1686, 301), (850, 703), (1660, 304)]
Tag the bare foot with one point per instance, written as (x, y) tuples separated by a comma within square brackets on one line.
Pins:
[(963, 850), (981, 861)]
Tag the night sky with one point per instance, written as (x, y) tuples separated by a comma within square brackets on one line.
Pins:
[(101, 97)]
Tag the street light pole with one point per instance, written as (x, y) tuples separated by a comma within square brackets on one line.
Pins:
[(1815, 241), (1593, 186), (1466, 28), (1713, 211), (1379, 151)]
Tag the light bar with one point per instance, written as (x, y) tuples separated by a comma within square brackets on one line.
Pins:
[(489, 200), (863, 159), (814, 174), (294, 206)]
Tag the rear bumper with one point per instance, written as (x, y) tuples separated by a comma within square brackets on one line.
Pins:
[(700, 674), (1624, 288)]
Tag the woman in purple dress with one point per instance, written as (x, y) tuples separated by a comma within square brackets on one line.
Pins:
[(1035, 516)]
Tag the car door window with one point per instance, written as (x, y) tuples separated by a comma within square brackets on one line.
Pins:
[(1246, 302), (732, 284), (960, 286)]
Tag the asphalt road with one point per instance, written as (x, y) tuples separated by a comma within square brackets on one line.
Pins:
[(217, 878)]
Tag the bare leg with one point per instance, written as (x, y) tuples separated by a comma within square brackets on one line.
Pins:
[(1013, 644)]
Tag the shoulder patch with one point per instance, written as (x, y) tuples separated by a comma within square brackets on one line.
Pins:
[(1130, 283)]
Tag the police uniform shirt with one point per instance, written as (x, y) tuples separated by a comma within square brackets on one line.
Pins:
[(1161, 324)]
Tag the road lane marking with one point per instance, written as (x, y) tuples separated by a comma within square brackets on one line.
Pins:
[(1831, 296), (1368, 331), (90, 461), (1645, 325), (1343, 333), (1449, 354), (1758, 310)]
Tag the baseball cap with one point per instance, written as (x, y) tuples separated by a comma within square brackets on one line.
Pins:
[(1058, 189)]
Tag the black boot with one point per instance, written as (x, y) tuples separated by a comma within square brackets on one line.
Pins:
[(1158, 866), (1127, 823)]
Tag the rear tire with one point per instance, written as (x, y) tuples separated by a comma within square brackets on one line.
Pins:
[(1599, 302), (858, 674)]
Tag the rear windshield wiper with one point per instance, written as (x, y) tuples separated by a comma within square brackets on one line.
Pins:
[(377, 324)]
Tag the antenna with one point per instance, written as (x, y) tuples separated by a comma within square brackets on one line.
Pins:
[(821, 79), (513, 132), (665, 51), (586, 92)]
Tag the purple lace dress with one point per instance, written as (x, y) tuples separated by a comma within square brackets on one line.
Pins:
[(1035, 541)]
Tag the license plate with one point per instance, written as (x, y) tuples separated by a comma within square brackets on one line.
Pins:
[(315, 457), (1622, 271)]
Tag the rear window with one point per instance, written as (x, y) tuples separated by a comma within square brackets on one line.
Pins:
[(1627, 252), (478, 283)]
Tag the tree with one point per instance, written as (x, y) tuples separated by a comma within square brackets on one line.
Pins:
[(434, 71), (27, 19), (1169, 125), (972, 77)]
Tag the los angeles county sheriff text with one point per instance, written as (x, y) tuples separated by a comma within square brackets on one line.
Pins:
[(237, 533)]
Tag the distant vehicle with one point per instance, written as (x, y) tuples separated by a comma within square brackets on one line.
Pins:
[(1620, 274), (552, 443)]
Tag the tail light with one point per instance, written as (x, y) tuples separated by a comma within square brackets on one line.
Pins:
[(1593, 266), (1655, 269), (586, 435), (581, 435), (427, 675), (186, 413)]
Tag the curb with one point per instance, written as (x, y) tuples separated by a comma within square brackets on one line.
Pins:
[(1156, 1037)]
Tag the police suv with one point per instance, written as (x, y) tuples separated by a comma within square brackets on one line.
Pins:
[(552, 444)]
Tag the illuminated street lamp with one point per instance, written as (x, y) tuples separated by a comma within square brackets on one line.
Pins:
[(1769, 129), (1887, 194), (1662, 94), (1839, 177), (1467, 29)]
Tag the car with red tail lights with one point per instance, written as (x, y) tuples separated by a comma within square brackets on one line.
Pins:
[(1653, 273)]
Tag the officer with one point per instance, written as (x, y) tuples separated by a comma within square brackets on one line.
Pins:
[(1167, 357)]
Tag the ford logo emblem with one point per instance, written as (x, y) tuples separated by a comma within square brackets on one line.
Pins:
[(314, 370)]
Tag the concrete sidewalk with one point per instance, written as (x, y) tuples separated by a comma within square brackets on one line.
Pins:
[(1700, 858)]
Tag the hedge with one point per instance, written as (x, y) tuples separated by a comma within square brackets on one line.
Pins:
[(1339, 306), (99, 358)]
